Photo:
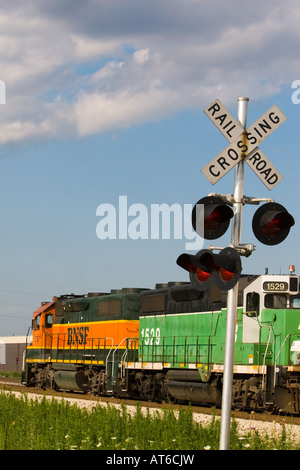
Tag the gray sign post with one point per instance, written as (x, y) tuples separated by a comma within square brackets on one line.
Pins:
[(233, 293)]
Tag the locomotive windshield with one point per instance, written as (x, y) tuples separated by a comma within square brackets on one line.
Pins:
[(275, 301), (281, 301), (295, 301)]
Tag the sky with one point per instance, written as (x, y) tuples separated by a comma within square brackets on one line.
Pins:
[(101, 109)]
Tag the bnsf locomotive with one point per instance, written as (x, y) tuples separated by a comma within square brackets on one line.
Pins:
[(168, 343)]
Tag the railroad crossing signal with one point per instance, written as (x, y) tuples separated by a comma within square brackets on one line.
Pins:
[(206, 268), (243, 144)]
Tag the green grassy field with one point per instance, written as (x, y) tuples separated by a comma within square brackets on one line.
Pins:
[(57, 425)]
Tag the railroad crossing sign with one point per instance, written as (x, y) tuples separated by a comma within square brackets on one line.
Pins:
[(243, 144)]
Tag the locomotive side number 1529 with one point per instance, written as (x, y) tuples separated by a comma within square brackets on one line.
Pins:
[(151, 336)]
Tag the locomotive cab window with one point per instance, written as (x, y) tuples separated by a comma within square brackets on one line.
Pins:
[(36, 322), (275, 301), (48, 320), (252, 304), (295, 301)]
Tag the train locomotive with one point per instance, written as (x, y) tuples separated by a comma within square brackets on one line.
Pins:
[(168, 343)]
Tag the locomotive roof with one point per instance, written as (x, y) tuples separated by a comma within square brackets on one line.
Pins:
[(42, 308)]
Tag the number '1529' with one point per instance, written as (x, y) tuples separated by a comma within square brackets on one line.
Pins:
[(151, 336)]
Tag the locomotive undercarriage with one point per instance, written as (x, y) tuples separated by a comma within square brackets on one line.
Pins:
[(248, 392), (287, 392), (268, 393)]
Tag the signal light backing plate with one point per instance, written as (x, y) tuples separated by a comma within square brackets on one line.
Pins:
[(233, 275), (271, 223), (215, 216)]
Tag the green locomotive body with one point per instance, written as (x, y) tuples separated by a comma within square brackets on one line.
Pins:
[(180, 335)]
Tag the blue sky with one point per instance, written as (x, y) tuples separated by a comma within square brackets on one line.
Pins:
[(106, 99)]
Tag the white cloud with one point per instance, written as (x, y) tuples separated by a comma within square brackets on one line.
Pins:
[(141, 56), (72, 67), (89, 48), (100, 112)]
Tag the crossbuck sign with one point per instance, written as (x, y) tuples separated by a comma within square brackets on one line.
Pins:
[(243, 144)]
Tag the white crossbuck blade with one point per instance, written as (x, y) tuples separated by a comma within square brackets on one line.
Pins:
[(243, 144)]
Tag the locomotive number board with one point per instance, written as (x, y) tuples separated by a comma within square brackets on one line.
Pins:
[(275, 286)]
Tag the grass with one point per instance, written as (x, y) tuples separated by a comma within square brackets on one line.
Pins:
[(9, 374), (57, 425)]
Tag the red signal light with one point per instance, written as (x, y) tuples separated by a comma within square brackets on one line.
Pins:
[(271, 223), (201, 275), (212, 221), (187, 262), (226, 275), (279, 222), (214, 214)]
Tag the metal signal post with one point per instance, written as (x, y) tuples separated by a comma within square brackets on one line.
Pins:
[(233, 293)]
